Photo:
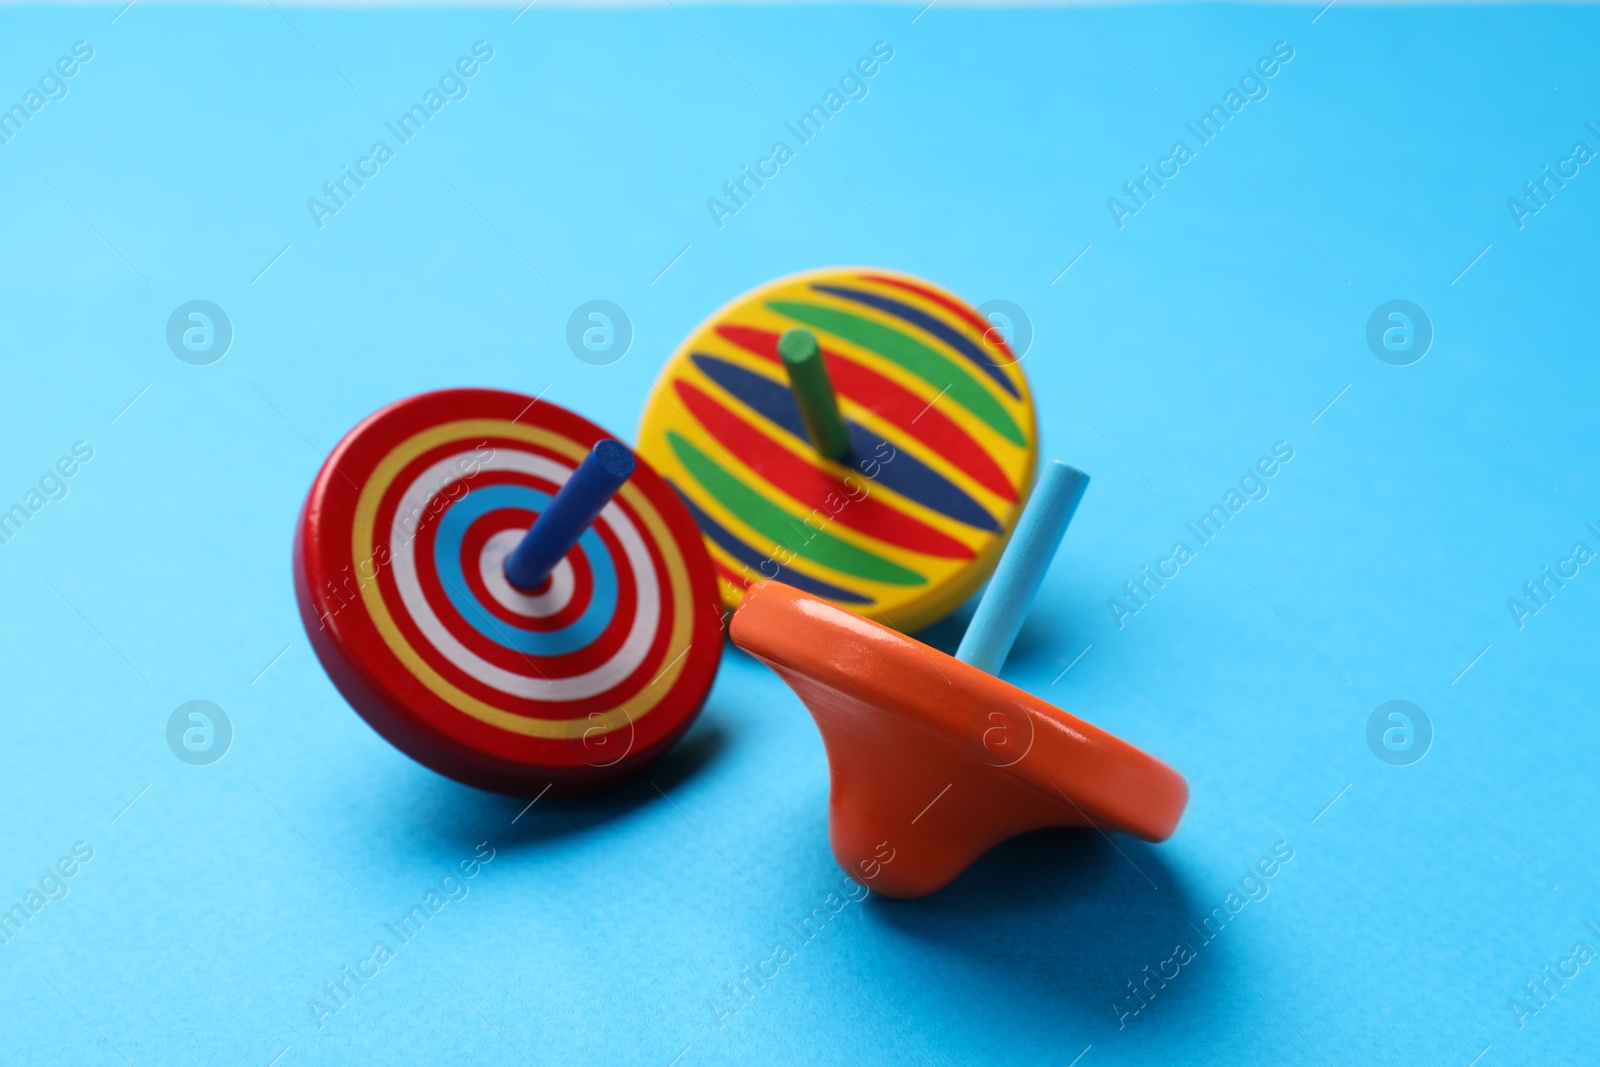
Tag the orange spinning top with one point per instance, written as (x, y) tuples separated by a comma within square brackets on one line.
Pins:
[(933, 760)]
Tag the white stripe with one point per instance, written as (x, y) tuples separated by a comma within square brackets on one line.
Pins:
[(577, 687), (491, 568)]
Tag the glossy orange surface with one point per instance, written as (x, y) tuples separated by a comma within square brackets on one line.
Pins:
[(934, 762)]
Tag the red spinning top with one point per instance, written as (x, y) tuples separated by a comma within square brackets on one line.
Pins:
[(503, 594), (934, 760)]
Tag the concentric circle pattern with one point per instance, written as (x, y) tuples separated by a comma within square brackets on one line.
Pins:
[(398, 568), (942, 436)]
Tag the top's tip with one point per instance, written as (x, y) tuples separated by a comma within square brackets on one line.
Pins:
[(615, 458), (797, 345), (1059, 477)]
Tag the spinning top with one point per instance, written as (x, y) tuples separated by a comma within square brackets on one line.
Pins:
[(860, 435), (934, 760), (497, 588)]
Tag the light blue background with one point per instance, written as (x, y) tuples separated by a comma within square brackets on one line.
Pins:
[(1188, 343)]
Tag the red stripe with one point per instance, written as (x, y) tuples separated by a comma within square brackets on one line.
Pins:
[(413, 717), (526, 664), (518, 519), (811, 486), (575, 662), (887, 398), (991, 336), (580, 660), (727, 574)]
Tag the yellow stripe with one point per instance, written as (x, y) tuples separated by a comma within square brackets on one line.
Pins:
[(1014, 463), (777, 439), (800, 288), (631, 710), (1012, 370), (1014, 460), (950, 582)]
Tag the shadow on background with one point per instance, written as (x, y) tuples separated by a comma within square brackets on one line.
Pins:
[(1050, 639), (945, 635), (451, 812), (1062, 918)]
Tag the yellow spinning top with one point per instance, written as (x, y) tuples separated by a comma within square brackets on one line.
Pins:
[(859, 434)]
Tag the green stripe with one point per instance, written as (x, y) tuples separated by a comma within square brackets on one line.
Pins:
[(929, 364), (778, 526)]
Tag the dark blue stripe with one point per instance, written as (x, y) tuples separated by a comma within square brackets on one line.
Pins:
[(725, 540), (939, 329), (901, 471)]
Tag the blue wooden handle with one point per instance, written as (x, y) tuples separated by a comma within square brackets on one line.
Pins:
[(573, 510), (1016, 580)]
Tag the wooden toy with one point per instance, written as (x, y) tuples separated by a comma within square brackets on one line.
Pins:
[(858, 434), (934, 760), (499, 592)]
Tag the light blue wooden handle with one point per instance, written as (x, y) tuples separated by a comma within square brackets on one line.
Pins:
[(1033, 544)]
